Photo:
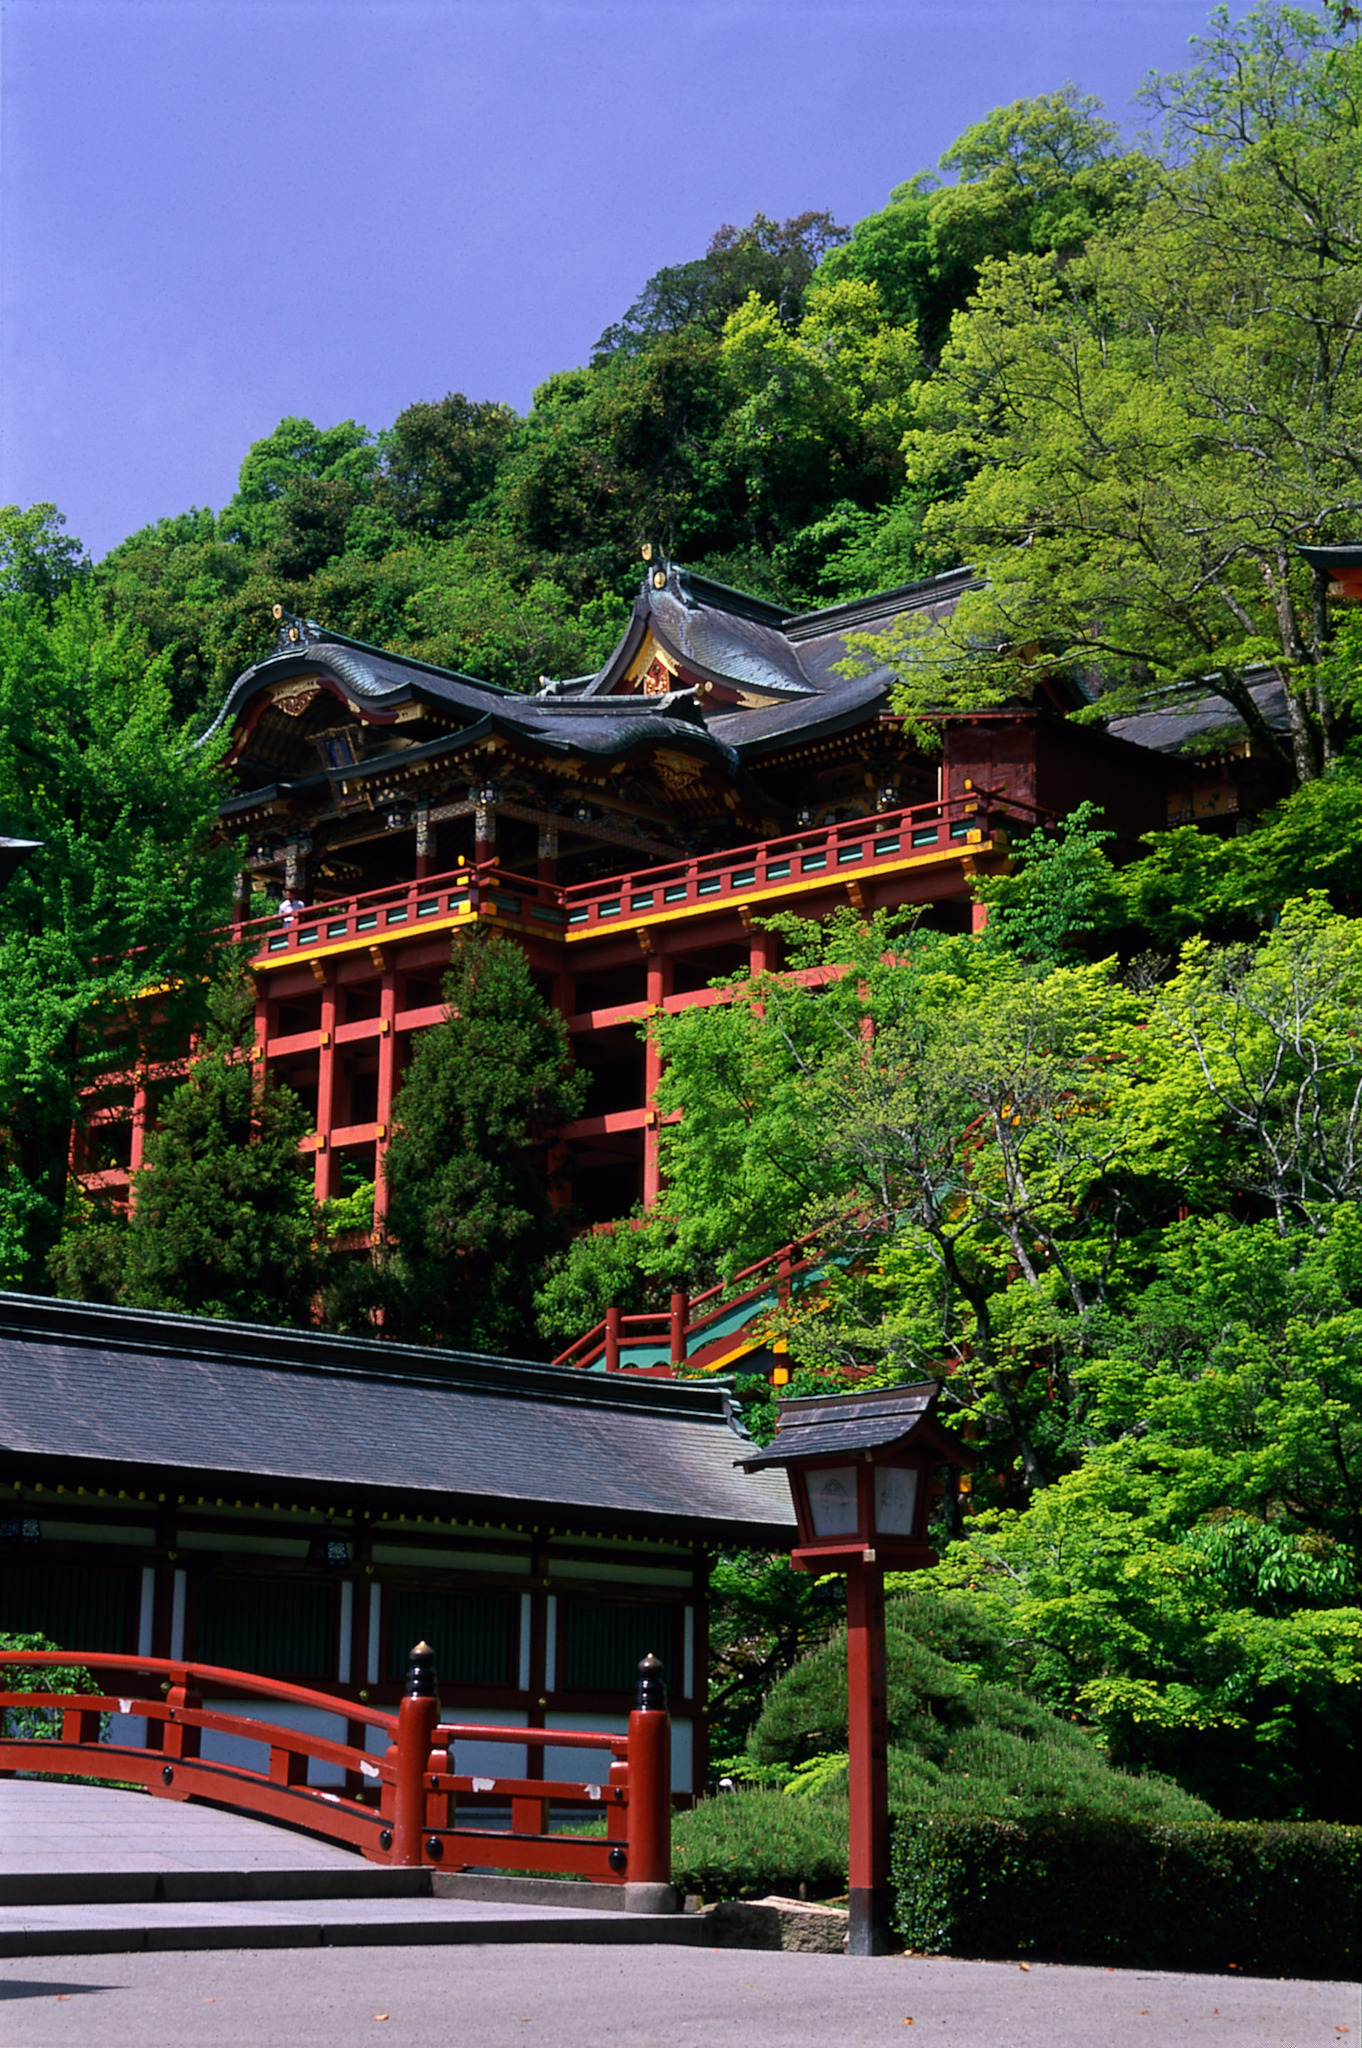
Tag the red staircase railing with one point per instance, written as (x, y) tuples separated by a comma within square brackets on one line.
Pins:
[(415, 1821), (681, 1324)]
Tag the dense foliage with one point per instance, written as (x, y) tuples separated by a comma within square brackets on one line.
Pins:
[(1272, 1901), (122, 896)]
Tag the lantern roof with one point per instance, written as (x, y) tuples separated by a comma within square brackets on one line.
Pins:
[(823, 1425)]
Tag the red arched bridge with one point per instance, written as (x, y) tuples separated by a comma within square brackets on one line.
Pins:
[(414, 1820)]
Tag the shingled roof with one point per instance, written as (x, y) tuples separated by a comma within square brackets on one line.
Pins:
[(117, 1397)]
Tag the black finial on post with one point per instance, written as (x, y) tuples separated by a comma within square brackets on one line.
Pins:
[(652, 1693), (421, 1682)]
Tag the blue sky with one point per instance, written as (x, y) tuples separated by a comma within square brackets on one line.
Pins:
[(218, 212)]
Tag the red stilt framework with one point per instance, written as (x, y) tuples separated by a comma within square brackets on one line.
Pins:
[(344, 984)]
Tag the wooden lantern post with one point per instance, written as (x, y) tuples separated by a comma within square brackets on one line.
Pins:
[(863, 1470)]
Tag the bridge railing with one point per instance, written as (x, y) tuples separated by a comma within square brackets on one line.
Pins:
[(415, 1821)]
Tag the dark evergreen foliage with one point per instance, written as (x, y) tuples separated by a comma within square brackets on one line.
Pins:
[(223, 1222), (1272, 1901), (470, 1210)]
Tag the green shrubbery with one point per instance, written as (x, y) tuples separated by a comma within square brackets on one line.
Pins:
[(748, 1844), (37, 1724), (963, 1742), (962, 1739), (1276, 1900)]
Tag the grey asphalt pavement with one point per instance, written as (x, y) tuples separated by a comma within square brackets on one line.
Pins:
[(495, 1997)]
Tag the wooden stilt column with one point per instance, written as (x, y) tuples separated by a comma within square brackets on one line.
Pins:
[(761, 951), (659, 988), (324, 1167), (870, 1898), (387, 1087), (137, 1151)]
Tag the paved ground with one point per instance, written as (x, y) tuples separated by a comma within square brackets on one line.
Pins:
[(87, 1870), (45, 1827), (491, 1988), (642, 1998)]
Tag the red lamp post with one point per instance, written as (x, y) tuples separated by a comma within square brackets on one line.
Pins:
[(864, 1469)]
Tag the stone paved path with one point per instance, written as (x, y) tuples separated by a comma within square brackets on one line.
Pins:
[(46, 1827), (86, 1870), (556, 1997)]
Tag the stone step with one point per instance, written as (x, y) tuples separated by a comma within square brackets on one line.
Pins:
[(56, 1930)]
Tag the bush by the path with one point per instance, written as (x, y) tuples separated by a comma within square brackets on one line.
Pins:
[(962, 1739), (748, 1844), (1272, 1899)]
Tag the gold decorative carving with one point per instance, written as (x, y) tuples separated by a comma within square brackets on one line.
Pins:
[(293, 703)]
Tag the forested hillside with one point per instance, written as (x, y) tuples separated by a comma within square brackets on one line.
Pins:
[(1098, 1170)]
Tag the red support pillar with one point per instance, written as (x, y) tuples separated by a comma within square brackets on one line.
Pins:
[(613, 1320), (679, 1316), (762, 952), (648, 1838), (659, 988), (418, 1716), (137, 1152), (870, 1898), (323, 1168), (387, 1087)]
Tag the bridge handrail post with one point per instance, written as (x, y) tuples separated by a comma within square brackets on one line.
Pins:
[(177, 1738), (418, 1716), (648, 1836)]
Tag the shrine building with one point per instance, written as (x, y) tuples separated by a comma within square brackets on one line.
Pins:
[(631, 829), (307, 1507)]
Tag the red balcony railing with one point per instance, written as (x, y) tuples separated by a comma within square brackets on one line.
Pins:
[(395, 911), (414, 1822), (853, 847)]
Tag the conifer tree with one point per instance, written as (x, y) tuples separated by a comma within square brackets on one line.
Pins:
[(223, 1222), (470, 1215)]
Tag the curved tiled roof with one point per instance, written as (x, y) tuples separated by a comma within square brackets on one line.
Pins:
[(116, 1389)]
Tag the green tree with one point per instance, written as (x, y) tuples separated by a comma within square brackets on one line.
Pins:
[(223, 1222), (471, 1219), (1038, 175), (440, 461), (1063, 892), (773, 260), (123, 899), (38, 558), (1146, 430), (817, 410)]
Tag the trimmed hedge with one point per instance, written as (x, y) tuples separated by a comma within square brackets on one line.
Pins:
[(749, 1844), (1276, 1900)]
